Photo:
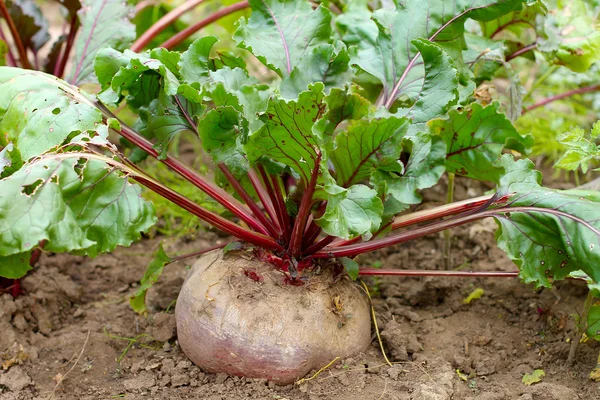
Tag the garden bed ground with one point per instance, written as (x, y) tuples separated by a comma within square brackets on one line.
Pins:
[(74, 317)]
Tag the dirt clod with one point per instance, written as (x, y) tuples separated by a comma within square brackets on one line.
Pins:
[(165, 327), (142, 381), (15, 379)]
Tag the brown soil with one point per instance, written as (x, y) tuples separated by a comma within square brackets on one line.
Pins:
[(74, 323)]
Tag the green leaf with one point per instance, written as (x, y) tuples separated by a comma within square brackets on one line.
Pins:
[(153, 272), (423, 170), (355, 24), (549, 234), (342, 104), (10, 160), (324, 63), (366, 146), (280, 33), (219, 131), (581, 149), (194, 64), (74, 204), (233, 87), (15, 266), (38, 112), (30, 23), (351, 212), (149, 15), (535, 377), (287, 136), (475, 138), (104, 23), (168, 116), (438, 90), (142, 76), (593, 322), (351, 267), (392, 59)]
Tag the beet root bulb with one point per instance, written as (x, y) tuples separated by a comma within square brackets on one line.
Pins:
[(236, 316)]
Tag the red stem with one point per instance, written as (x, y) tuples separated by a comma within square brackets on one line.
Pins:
[(274, 189), (208, 216), (408, 272), (295, 247), (190, 30), (521, 51), (267, 226), (63, 58), (313, 231), (592, 88), (263, 195), (163, 23), (428, 215), (359, 248), (319, 245), (15, 35)]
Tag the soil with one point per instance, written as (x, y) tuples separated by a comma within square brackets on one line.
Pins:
[(72, 334)]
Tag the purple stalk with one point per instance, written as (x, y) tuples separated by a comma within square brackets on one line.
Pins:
[(63, 58), (295, 247), (592, 88), (521, 51), (267, 226), (274, 189), (263, 195)]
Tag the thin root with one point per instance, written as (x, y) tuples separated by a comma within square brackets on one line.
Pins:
[(63, 377), (301, 381), (366, 289)]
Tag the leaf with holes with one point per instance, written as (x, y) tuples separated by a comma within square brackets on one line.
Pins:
[(548, 233)]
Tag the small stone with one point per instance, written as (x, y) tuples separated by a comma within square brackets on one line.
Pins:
[(526, 396), (136, 367), (142, 381), (178, 380), (165, 327), (166, 347), (168, 365), (220, 378), (78, 313), (182, 365), (394, 372), (304, 388), (481, 340), (19, 322), (15, 379)]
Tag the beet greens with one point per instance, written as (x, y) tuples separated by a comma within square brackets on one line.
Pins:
[(316, 156)]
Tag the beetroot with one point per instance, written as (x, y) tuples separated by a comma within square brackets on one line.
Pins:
[(229, 321)]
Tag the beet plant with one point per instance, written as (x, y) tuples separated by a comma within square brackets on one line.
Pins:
[(323, 127)]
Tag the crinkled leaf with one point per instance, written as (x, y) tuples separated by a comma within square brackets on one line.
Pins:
[(219, 131), (548, 233), (15, 266), (581, 149), (54, 53), (168, 116), (280, 33), (194, 64), (30, 23), (475, 138), (423, 170), (534, 377), (392, 59), (355, 24), (233, 87), (287, 136), (153, 272), (438, 90), (142, 76), (351, 267), (351, 212), (366, 146), (342, 104), (324, 63), (38, 111), (104, 23)]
